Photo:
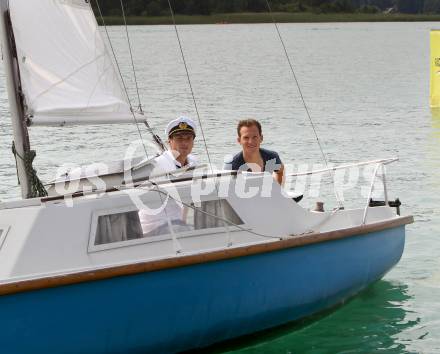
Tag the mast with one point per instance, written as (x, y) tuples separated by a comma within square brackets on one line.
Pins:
[(21, 137)]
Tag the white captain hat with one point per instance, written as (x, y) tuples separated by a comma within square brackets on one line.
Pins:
[(181, 124)]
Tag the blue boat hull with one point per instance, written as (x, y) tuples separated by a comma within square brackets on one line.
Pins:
[(194, 306)]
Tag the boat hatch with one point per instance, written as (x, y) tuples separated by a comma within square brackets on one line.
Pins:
[(127, 226)]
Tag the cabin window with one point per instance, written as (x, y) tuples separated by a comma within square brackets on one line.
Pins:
[(211, 214), (204, 215), (118, 227), (132, 225)]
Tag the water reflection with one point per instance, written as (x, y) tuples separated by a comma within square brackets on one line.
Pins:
[(435, 112), (434, 146), (370, 322)]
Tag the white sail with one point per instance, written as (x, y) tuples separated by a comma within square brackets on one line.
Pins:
[(67, 74)]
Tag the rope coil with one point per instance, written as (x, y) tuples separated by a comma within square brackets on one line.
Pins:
[(36, 186)]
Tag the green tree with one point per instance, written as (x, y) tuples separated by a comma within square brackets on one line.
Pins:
[(369, 9), (382, 4), (134, 7), (153, 9), (257, 6), (432, 6), (343, 6), (410, 6)]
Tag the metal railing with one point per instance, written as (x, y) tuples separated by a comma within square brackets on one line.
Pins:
[(380, 164)]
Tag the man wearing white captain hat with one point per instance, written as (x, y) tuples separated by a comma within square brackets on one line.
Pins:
[(181, 133)]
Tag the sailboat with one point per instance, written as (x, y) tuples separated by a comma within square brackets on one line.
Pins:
[(78, 274)]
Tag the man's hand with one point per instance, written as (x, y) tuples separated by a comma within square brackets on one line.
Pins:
[(279, 175)]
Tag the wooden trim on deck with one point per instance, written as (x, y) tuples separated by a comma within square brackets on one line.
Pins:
[(182, 261)]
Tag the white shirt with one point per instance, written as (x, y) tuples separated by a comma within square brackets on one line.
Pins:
[(167, 163), (163, 164)]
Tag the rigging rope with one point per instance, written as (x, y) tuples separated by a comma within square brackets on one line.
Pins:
[(193, 207), (131, 57), (120, 74), (156, 138), (303, 99), (176, 244), (36, 186), (197, 110), (189, 83)]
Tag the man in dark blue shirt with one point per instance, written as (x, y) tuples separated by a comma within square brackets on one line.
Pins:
[(252, 157)]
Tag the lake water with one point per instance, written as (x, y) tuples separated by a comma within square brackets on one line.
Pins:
[(367, 89)]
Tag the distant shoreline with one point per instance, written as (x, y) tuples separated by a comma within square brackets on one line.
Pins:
[(297, 17)]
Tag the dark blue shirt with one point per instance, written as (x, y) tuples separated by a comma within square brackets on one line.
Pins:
[(271, 161)]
